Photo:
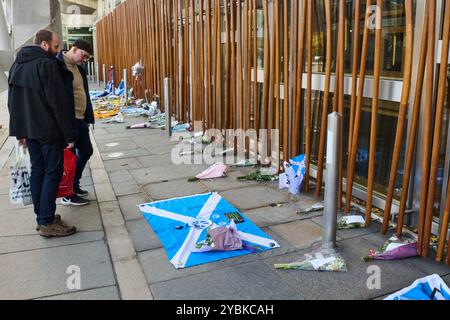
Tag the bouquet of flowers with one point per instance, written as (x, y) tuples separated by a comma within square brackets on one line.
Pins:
[(351, 222), (332, 262), (395, 248)]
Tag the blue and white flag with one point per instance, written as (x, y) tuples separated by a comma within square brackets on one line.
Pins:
[(170, 220), (429, 288)]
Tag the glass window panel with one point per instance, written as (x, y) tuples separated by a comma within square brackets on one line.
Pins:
[(392, 50), (387, 124)]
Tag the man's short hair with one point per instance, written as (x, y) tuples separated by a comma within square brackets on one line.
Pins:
[(84, 45), (43, 35)]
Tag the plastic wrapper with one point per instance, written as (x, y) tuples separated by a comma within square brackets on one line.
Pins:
[(332, 262), (351, 222), (394, 249), (221, 239), (218, 170)]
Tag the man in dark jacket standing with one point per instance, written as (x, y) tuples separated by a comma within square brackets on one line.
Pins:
[(77, 88), (41, 121)]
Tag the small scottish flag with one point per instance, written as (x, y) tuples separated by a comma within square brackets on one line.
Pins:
[(171, 220)]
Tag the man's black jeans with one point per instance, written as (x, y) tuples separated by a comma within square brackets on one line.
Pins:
[(83, 148), (47, 166)]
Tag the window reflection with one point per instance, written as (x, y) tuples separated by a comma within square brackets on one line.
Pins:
[(387, 124)]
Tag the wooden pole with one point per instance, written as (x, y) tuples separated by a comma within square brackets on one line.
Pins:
[(444, 228), (358, 111), (239, 67), (194, 65), (338, 64), (187, 81), (219, 67), (286, 82), (177, 59), (214, 65), (256, 107), (208, 65), (429, 95), (233, 64), (447, 258), (272, 107), (267, 60), (326, 102), (227, 68), (277, 81), (374, 121), (201, 70), (410, 153), (299, 94), (308, 96), (295, 35), (409, 39), (247, 80), (441, 95), (356, 59), (342, 25)]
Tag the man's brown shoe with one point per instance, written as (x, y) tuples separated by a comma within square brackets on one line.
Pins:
[(57, 220), (56, 230)]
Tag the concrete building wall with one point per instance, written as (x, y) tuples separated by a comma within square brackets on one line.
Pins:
[(27, 17), (106, 6)]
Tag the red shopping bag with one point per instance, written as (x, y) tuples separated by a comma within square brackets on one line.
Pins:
[(70, 166)]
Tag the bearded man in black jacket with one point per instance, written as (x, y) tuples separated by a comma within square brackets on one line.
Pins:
[(42, 121)]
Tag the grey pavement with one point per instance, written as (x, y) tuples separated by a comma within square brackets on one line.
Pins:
[(116, 244)]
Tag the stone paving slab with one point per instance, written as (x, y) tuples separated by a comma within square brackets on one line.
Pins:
[(7, 205), (174, 189), (269, 216), (86, 218), (156, 139), (122, 146), (300, 234), (124, 189), (129, 205), (104, 192), (107, 293), (158, 268), (164, 173), (160, 150), (43, 272), (229, 183), (122, 164), (349, 285), (143, 236), (4, 185), (33, 242), (18, 222), (254, 197), (250, 281), (110, 155), (154, 161), (121, 176), (447, 280), (86, 181)]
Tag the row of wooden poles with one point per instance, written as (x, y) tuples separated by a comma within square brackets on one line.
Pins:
[(209, 51)]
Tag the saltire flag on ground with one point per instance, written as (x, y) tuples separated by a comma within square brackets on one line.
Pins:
[(428, 288), (170, 218)]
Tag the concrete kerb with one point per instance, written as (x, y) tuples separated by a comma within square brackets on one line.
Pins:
[(129, 273)]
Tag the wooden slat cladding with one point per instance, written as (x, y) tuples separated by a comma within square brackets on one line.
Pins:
[(211, 49)]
